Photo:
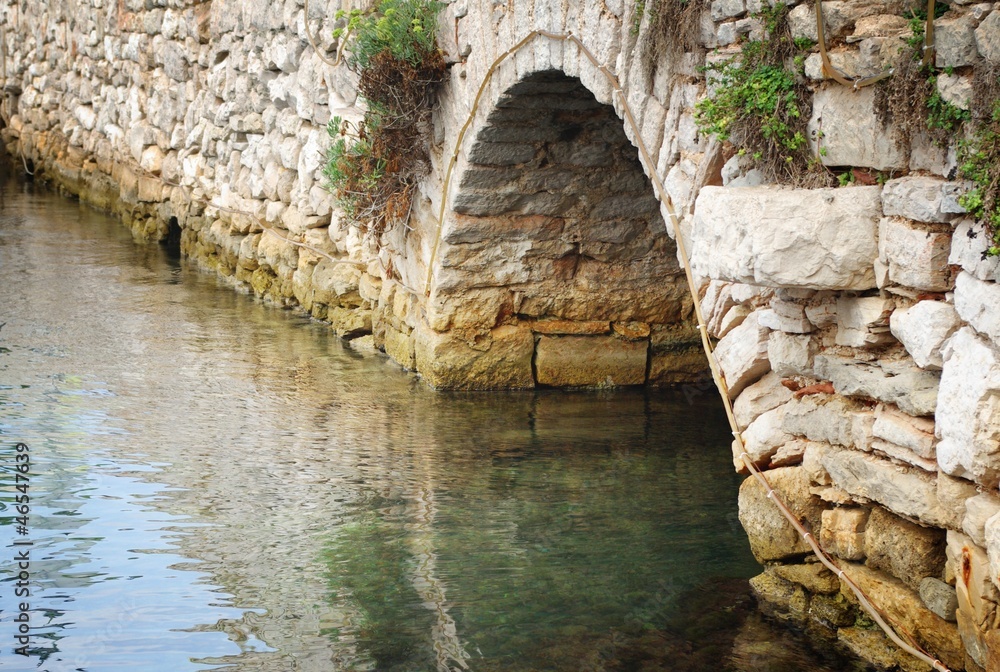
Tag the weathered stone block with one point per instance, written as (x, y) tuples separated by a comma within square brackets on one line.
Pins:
[(967, 247), (590, 361), (832, 420), (761, 439), (907, 491), (939, 597), (816, 238), (955, 41), (843, 532), (502, 359), (501, 153), (791, 355), (976, 302), (968, 416), (918, 198), (916, 257), (915, 434), (844, 124), (742, 355), (978, 510), (988, 37), (772, 537), (923, 329), (902, 383), (904, 606), (863, 321), (974, 572), (759, 398), (907, 551), (813, 576)]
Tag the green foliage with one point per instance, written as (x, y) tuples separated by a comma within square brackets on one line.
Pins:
[(404, 28), (979, 161), (846, 178), (942, 115), (373, 165), (758, 103)]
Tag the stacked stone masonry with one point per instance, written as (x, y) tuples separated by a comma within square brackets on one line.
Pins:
[(857, 327)]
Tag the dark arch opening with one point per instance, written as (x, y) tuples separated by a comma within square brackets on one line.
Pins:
[(555, 207), (172, 241)]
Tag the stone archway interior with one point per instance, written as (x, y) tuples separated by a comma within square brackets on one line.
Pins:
[(555, 216)]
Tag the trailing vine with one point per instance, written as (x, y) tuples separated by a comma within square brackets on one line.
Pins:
[(373, 165)]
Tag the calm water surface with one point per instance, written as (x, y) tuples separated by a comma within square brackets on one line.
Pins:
[(218, 484)]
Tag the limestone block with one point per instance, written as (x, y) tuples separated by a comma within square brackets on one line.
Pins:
[(975, 575), (350, 323), (848, 63), (833, 420), (978, 510), (823, 313), (976, 302), (952, 493), (907, 491), (762, 439), (955, 89), (759, 398), (844, 124), (733, 318), (906, 550), (916, 257), (988, 37), (789, 316), (902, 383), (915, 434), (780, 598), (771, 536), (727, 9), (501, 360), (863, 321), (812, 461), (968, 244), (742, 355), (837, 17), (939, 597), (336, 284), (776, 237), (590, 361), (955, 41), (813, 576), (791, 355), (904, 606), (923, 329), (918, 198), (843, 532), (968, 415)]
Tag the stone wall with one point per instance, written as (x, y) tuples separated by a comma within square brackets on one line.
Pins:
[(855, 325)]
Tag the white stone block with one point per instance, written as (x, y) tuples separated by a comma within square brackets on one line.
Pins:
[(814, 238), (923, 328), (791, 355), (915, 434), (977, 302), (967, 247), (844, 124), (742, 355), (863, 321), (916, 257), (968, 414), (919, 198)]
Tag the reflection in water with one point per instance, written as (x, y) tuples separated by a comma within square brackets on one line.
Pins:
[(222, 485)]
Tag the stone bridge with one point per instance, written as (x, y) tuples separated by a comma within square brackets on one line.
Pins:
[(538, 252)]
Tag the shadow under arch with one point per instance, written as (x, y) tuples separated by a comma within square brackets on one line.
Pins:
[(555, 228)]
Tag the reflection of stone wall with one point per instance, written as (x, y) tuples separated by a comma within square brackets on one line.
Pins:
[(875, 298)]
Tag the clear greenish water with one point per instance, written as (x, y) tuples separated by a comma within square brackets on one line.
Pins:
[(219, 484)]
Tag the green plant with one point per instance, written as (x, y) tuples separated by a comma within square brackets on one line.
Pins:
[(979, 162), (759, 105), (942, 115), (373, 165), (846, 178)]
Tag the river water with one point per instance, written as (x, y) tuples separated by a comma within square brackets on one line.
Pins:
[(219, 484)]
